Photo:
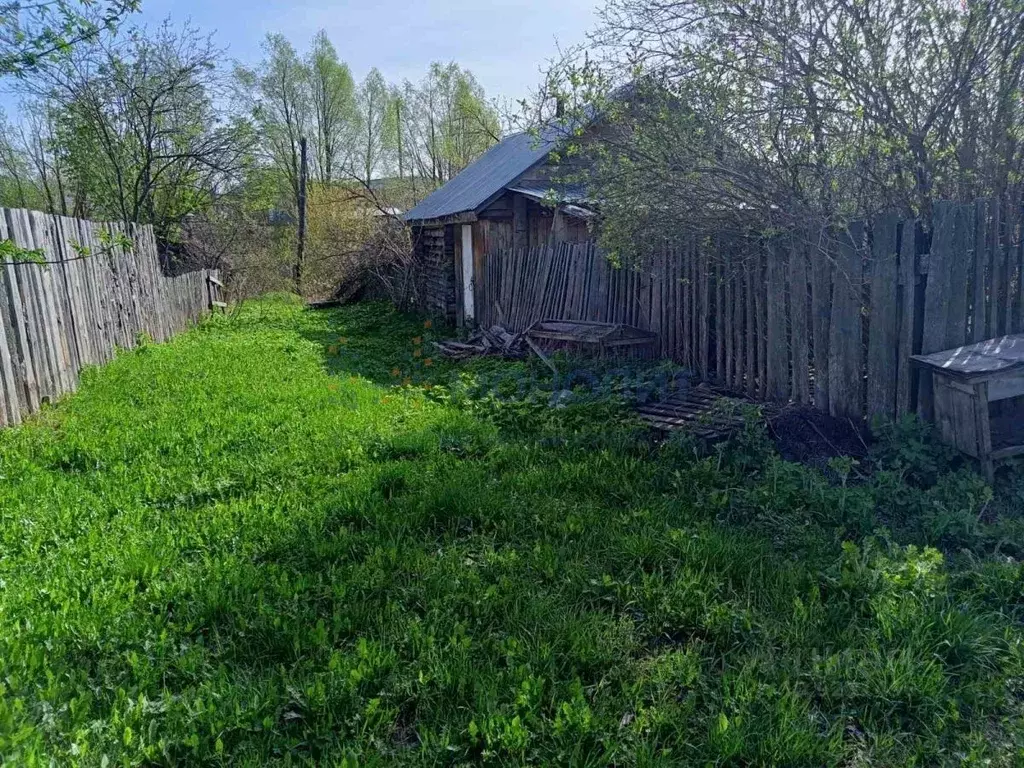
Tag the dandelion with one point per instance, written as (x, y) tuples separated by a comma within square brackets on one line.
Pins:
[(418, 340), (406, 382), (395, 372), (332, 350), (428, 324), (429, 361), (343, 340), (417, 352)]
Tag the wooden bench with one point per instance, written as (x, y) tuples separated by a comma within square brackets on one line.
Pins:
[(966, 380)]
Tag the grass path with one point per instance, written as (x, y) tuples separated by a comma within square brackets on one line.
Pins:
[(255, 545)]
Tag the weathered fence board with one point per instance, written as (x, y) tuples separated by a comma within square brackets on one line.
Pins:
[(80, 304), (800, 333), (822, 268), (883, 341), (845, 343), (777, 344), (909, 314), (979, 283), (816, 316)]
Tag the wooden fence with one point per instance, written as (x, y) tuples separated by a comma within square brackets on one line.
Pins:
[(86, 301), (828, 318)]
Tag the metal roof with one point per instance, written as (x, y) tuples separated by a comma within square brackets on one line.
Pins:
[(481, 180), (544, 190)]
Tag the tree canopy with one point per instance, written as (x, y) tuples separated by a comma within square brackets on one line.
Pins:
[(773, 113), (34, 34)]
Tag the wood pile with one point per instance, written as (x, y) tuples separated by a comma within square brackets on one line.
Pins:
[(496, 341)]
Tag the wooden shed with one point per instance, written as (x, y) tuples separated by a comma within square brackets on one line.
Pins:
[(508, 198)]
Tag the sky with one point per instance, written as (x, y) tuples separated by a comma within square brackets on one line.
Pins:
[(503, 42)]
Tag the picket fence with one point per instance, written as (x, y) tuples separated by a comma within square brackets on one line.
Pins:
[(818, 317), (87, 300)]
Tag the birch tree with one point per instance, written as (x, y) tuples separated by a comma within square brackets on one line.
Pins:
[(335, 112), (377, 128), (278, 100)]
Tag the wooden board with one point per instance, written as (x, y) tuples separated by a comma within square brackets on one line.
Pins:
[(776, 331), (800, 330), (845, 338), (906, 375), (822, 263), (883, 323)]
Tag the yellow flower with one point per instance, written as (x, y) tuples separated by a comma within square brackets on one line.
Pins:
[(395, 372), (407, 382), (417, 352), (343, 340), (418, 340), (428, 324), (332, 350), (428, 362)]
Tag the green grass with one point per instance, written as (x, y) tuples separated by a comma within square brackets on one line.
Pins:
[(284, 537)]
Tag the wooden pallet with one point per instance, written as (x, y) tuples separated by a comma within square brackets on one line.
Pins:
[(706, 412)]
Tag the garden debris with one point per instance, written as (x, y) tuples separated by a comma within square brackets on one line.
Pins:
[(496, 341), (801, 433), (806, 435), (709, 413), (348, 292)]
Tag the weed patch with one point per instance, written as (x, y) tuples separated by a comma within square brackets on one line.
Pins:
[(285, 537)]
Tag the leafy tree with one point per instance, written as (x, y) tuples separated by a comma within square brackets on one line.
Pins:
[(447, 122), (34, 34), (377, 127), (138, 129), (277, 98), (334, 106)]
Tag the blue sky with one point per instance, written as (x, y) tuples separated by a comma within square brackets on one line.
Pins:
[(503, 42)]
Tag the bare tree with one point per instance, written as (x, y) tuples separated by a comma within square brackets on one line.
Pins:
[(764, 114)]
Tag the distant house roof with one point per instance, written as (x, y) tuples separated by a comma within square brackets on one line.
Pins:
[(486, 177)]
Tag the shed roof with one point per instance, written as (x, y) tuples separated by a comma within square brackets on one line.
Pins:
[(487, 176), (985, 357), (543, 190)]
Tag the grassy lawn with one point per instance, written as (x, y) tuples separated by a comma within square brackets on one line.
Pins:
[(290, 536)]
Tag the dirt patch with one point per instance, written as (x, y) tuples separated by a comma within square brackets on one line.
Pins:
[(811, 437)]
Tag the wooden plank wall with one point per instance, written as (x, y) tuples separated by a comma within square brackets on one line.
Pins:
[(823, 317), (77, 310)]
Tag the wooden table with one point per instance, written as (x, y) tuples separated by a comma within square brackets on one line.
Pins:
[(966, 380)]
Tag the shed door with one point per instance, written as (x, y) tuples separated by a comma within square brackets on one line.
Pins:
[(467, 272)]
